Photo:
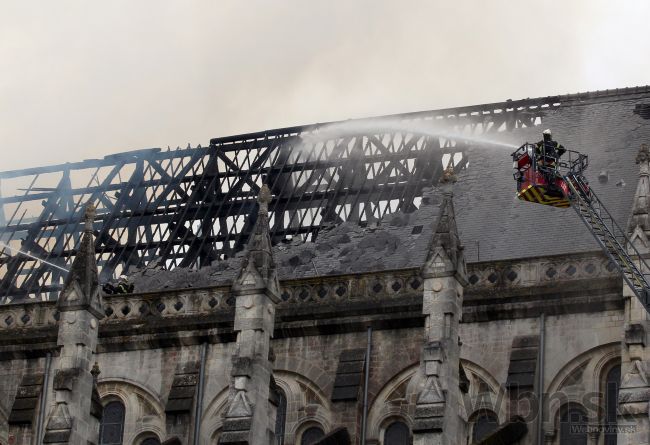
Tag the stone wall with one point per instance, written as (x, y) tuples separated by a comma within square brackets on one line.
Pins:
[(141, 351)]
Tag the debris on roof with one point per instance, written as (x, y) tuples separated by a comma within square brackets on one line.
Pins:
[(400, 241)]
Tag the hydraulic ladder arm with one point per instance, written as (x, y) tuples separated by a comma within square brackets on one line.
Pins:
[(611, 238)]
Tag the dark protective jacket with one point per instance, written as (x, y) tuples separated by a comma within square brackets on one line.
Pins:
[(122, 287), (551, 149)]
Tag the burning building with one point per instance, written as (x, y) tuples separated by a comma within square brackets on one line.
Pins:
[(373, 281)]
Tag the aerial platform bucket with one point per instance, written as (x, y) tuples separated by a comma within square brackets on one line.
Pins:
[(532, 184), (540, 195)]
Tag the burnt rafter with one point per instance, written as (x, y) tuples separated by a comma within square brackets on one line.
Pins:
[(53, 207), (190, 207)]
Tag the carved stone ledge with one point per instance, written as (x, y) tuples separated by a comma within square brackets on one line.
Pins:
[(339, 289), (28, 315), (166, 304), (539, 271)]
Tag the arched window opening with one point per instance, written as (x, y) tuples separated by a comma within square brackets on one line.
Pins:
[(312, 435), (397, 433), (573, 427), (150, 441), (111, 428), (485, 424), (281, 417), (612, 383)]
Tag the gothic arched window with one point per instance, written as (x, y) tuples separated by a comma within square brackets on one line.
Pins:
[(111, 428), (281, 417), (612, 383), (485, 424), (573, 426), (397, 433), (312, 435)]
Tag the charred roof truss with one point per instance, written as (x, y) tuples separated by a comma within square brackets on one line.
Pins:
[(190, 207)]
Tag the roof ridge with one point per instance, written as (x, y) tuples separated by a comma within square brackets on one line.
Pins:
[(485, 108)]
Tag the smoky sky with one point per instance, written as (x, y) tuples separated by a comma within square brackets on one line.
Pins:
[(83, 79)]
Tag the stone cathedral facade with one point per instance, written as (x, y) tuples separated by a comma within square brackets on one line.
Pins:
[(473, 319)]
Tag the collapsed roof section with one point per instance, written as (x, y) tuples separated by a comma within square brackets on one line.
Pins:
[(401, 241), (189, 208)]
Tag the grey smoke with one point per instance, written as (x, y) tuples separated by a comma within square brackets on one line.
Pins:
[(84, 79)]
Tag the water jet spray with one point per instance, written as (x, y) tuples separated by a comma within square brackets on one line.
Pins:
[(378, 126), (29, 255)]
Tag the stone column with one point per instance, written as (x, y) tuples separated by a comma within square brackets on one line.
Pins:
[(70, 420), (437, 419), (633, 419), (250, 418)]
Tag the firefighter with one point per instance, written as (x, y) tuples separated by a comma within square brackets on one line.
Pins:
[(548, 150), (109, 289), (123, 286), (548, 153)]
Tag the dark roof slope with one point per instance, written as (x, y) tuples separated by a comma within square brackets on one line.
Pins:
[(493, 225), (608, 126)]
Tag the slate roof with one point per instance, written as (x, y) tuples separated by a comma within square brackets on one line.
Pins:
[(607, 126), (493, 225)]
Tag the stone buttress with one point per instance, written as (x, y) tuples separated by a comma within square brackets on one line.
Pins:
[(436, 419), (634, 394), (74, 419), (250, 418)]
